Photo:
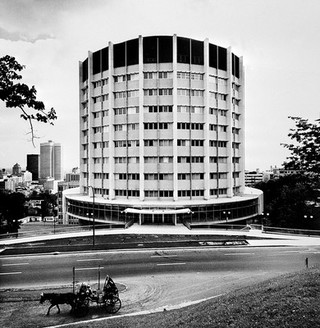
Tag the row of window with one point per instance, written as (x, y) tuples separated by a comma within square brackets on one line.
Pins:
[(164, 159), (158, 109), (158, 176), (215, 143), (126, 77), (123, 160), (190, 92), (157, 75), (188, 126), (156, 126), (156, 92), (103, 113), (126, 143), (189, 193), (155, 142), (126, 127), (127, 176), (187, 143), (126, 94), (216, 127), (163, 176), (100, 98), (100, 83), (218, 96), (126, 110), (158, 193), (127, 193), (99, 160), (190, 76), (194, 176), (164, 126), (164, 92), (164, 75), (163, 109), (101, 175)]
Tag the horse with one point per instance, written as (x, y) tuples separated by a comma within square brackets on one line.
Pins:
[(56, 299)]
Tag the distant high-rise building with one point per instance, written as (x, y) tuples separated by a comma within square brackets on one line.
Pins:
[(33, 165), (16, 169), (50, 161)]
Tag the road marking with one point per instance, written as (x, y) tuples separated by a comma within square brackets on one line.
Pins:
[(82, 269), (11, 264), (162, 264), (4, 273), (163, 255), (239, 254), (85, 260)]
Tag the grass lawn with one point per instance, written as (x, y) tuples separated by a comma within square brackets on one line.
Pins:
[(291, 300)]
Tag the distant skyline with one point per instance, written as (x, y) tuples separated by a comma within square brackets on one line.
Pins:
[(277, 39)]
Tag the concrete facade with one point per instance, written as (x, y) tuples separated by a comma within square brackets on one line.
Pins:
[(162, 133)]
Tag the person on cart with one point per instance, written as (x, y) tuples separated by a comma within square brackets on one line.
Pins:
[(110, 289)]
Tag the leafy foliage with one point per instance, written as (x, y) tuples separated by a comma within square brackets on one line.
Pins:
[(11, 210), (287, 200), (305, 151), (21, 96)]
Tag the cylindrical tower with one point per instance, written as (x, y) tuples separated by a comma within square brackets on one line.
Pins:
[(161, 126)]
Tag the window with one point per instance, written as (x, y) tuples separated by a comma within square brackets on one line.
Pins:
[(193, 142), (221, 160), (188, 126), (221, 175), (192, 92), (190, 109), (165, 92), (188, 75), (150, 92), (155, 126), (165, 143), (192, 159), (215, 127), (166, 159), (150, 142), (235, 130), (215, 143), (216, 192)]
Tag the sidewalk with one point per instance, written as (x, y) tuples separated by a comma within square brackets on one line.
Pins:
[(261, 239)]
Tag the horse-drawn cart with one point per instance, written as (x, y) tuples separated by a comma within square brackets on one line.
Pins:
[(81, 300), (108, 298)]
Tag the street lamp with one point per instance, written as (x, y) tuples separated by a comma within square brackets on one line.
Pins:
[(264, 219), (93, 219)]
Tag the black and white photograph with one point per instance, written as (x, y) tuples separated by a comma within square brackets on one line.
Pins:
[(159, 163)]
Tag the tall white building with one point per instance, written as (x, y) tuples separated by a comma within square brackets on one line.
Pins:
[(50, 161), (162, 134)]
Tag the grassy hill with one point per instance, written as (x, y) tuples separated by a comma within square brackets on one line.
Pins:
[(291, 300)]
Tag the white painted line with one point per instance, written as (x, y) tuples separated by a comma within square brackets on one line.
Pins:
[(163, 256), (239, 254), (4, 273), (178, 263), (85, 260), (12, 264), (82, 269)]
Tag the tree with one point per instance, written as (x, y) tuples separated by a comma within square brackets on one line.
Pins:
[(21, 96), (287, 200), (11, 211), (305, 151)]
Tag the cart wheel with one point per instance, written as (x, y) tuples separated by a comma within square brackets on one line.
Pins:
[(81, 309), (113, 305)]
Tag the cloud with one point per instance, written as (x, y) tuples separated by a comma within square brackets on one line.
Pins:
[(18, 36)]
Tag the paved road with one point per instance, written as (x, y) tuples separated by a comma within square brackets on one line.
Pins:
[(159, 278), (42, 270)]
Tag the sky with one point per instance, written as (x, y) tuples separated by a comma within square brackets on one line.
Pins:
[(278, 39)]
